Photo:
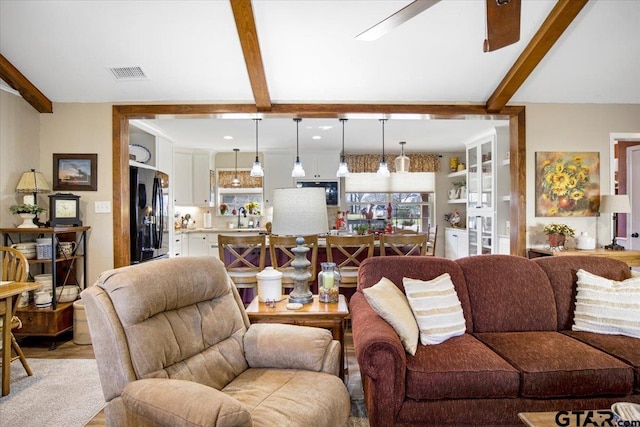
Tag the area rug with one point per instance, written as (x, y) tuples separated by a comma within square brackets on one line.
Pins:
[(61, 393)]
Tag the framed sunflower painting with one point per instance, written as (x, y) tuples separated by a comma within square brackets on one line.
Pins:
[(567, 184)]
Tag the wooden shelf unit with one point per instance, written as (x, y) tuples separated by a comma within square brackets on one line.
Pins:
[(57, 319)]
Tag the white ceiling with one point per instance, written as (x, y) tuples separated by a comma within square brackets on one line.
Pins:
[(191, 53)]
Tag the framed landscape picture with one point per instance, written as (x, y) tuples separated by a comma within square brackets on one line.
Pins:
[(567, 183), (75, 172)]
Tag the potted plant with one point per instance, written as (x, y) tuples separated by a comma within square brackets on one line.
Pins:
[(27, 213), (223, 209), (557, 234), (461, 188)]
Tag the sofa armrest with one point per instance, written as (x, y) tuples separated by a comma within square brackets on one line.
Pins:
[(382, 360), (166, 402), (274, 345)]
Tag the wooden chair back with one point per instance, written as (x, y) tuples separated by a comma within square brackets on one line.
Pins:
[(244, 256), (403, 244), (348, 252), (15, 266), (431, 241), (282, 256)]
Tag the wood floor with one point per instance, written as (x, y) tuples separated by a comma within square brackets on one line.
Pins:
[(38, 347)]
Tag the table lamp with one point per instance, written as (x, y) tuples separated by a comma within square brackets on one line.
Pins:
[(32, 182), (615, 204), (296, 212)]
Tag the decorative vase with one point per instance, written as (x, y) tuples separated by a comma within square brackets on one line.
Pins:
[(556, 240), (27, 219)]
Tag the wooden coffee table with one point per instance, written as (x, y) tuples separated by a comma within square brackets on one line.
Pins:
[(316, 314)]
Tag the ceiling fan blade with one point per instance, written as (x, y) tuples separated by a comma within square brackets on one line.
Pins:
[(400, 17), (503, 24)]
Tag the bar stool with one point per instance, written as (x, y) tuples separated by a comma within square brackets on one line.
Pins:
[(244, 257), (348, 252), (403, 244), (15, 267), (281, 256)]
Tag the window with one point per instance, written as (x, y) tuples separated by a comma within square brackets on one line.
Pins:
[(409, 211)]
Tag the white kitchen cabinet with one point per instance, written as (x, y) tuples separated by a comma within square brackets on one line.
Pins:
[(165, 156), (321, 165), (176, 247), (486, 212), (213, 245), (198, 244), (455, 243), (183, 188), (202, 191), (277, 173)]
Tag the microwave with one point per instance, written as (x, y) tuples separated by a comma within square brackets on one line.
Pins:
[(331, 190)]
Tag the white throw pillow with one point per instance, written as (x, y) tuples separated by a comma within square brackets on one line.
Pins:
[(391, 304), (436, 307), (607, 306)]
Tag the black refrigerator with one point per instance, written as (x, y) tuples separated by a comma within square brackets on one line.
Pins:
[(147, 214)]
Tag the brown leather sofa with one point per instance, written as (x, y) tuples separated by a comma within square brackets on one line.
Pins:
[(174, 347), (518, 353)]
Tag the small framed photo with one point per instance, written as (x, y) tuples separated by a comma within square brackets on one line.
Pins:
[(75, 172)]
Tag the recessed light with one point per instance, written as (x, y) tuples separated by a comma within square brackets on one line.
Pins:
[(325, 127), (316, 137), (228, 137)]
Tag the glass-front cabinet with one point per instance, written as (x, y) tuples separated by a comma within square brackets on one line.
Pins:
[(486, 213)]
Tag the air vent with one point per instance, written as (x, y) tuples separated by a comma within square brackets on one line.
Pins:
[(128, 73)]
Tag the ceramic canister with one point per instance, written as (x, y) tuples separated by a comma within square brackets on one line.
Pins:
[(269, 285)]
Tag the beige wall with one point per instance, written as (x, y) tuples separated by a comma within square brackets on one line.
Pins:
[(19, 151), (574, 127), (84, 128)]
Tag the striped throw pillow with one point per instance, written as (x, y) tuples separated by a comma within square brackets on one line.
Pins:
[(436, 307), (607, 306)]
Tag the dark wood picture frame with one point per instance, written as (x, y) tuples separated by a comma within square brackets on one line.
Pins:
[(75, 172)]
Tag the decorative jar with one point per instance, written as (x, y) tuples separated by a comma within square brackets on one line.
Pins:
[(328, 280)]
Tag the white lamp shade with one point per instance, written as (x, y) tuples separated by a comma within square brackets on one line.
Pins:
[(257, 170), (402, 163), (383, 170), (298, 170), (617, 203), (299, 211)]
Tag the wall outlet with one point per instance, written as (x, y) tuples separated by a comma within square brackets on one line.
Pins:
[(103, 207)]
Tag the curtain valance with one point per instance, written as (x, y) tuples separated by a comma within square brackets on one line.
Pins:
[(420, 162)]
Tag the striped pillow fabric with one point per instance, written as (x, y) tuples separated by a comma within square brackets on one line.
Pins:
[(436, 307), (607, 306)]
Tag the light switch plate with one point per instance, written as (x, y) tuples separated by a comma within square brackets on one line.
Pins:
[(103, 207)]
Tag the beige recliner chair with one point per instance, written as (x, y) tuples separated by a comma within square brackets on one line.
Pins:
[(174, 347)]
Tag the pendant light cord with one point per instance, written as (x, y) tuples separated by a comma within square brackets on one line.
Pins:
[(297, 139), (343, 157), (257, 120), (383, 120)]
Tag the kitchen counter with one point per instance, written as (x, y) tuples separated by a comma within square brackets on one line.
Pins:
[(220, 230)]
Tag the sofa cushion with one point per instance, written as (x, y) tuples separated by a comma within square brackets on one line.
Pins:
[(561, 271), (508, 294), (555, 365), (287, 397), (607, 306), (624, 348), (436, 308), (391, 304), (422, 268), (461, 367)]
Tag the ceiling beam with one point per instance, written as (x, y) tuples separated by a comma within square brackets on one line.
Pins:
[(246, 25), (559, 19), (27, 90)]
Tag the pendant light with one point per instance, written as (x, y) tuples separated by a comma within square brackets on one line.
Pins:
[(402, 162), (343, 169), (383, 169), (257, 170), (235, 182), (298, 171)]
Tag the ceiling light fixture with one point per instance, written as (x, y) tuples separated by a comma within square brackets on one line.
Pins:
[(298, 170), (402, 162), (235, 182), (257, 170), (383, 169), (343, 168)]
